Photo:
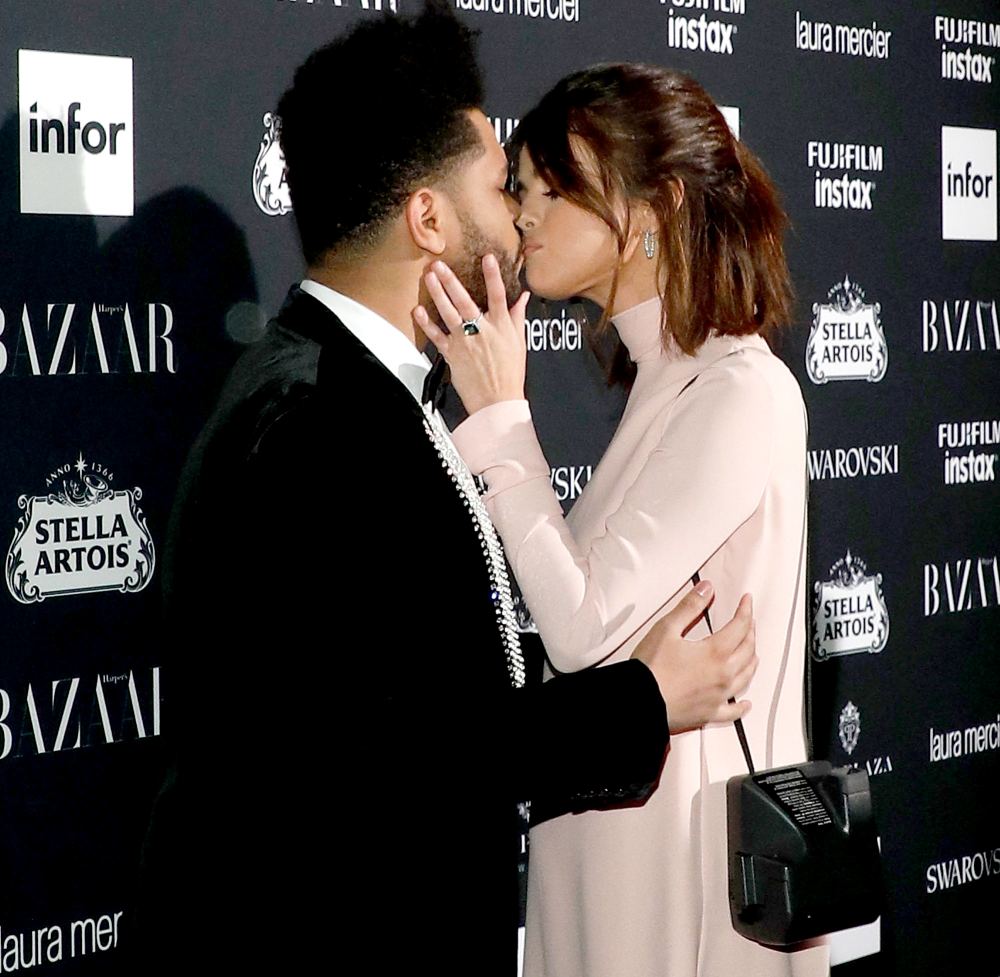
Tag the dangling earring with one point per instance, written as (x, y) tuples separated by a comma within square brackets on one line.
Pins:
[(649, 243)]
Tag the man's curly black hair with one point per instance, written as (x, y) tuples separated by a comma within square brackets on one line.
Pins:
[(371, 117)]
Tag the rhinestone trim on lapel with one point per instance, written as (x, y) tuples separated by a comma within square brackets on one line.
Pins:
[(500, 591)]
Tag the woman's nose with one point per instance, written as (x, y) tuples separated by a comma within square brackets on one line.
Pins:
[(525, 221)]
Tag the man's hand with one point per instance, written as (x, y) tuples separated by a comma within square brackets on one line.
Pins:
[(697, 678)]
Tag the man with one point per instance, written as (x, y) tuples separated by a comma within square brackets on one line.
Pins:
[(355, 735)]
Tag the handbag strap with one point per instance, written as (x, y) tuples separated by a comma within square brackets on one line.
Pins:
[(741, 733)]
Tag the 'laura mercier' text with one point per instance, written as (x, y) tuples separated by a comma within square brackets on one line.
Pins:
[(52, 944), (951, 743), (566, 10), (857, 42)]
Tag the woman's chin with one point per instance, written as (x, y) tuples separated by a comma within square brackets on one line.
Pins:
[(542, 288)]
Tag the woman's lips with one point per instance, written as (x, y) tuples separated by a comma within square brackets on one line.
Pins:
[(530, 249)]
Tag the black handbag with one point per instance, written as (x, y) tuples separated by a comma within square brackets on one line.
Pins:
[(803, 850)]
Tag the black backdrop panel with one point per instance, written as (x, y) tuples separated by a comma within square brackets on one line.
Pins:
[(120, 313)]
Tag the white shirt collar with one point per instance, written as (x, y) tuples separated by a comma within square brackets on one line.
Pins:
[(384, 341)]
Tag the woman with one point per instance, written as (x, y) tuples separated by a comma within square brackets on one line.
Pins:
[(634, 193)]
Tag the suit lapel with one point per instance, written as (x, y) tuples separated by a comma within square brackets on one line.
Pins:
[(307, 316)]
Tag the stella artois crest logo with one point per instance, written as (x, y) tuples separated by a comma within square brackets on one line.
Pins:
[(846, 341), (82, 536), (849, 611), (850, 727), (270, 189)]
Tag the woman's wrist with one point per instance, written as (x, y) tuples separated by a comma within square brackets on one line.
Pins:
[(478, 404), (499, 434)]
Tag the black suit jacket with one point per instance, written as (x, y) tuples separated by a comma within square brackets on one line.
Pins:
[(350, 736)]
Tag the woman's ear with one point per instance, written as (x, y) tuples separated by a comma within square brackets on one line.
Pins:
[(641, 217), (426, 214)]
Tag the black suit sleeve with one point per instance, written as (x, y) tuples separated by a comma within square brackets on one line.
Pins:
[(593, 738)]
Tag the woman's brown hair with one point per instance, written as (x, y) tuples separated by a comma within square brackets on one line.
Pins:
[(646, 129)]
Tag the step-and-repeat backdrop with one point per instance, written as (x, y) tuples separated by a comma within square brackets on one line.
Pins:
[(146, 236)]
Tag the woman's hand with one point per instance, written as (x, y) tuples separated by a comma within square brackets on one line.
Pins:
[(698, 679), (486, 367)]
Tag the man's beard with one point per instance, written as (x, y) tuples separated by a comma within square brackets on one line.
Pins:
[(467, 265)]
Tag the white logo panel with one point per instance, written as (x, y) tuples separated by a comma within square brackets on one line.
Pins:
[(968, 184), (75, 134), (731, 113)]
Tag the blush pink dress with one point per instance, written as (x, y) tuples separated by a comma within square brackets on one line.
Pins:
[(708, 477)]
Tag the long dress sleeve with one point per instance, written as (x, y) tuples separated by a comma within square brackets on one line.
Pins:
[(703, 478)]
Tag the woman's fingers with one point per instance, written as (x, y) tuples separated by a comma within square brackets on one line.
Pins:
[(734, 631), (496, 293), (449, 314), (742, 681), (743, 664), (455, 290), (486, 368), (431, 330), (519, 309)]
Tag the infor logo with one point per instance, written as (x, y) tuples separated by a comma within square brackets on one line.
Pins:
[(75, 134), (968, 184)]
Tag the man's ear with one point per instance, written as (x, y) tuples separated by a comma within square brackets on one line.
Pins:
[(426, 214)]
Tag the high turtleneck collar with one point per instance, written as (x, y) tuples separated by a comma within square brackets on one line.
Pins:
[(639, 330)]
